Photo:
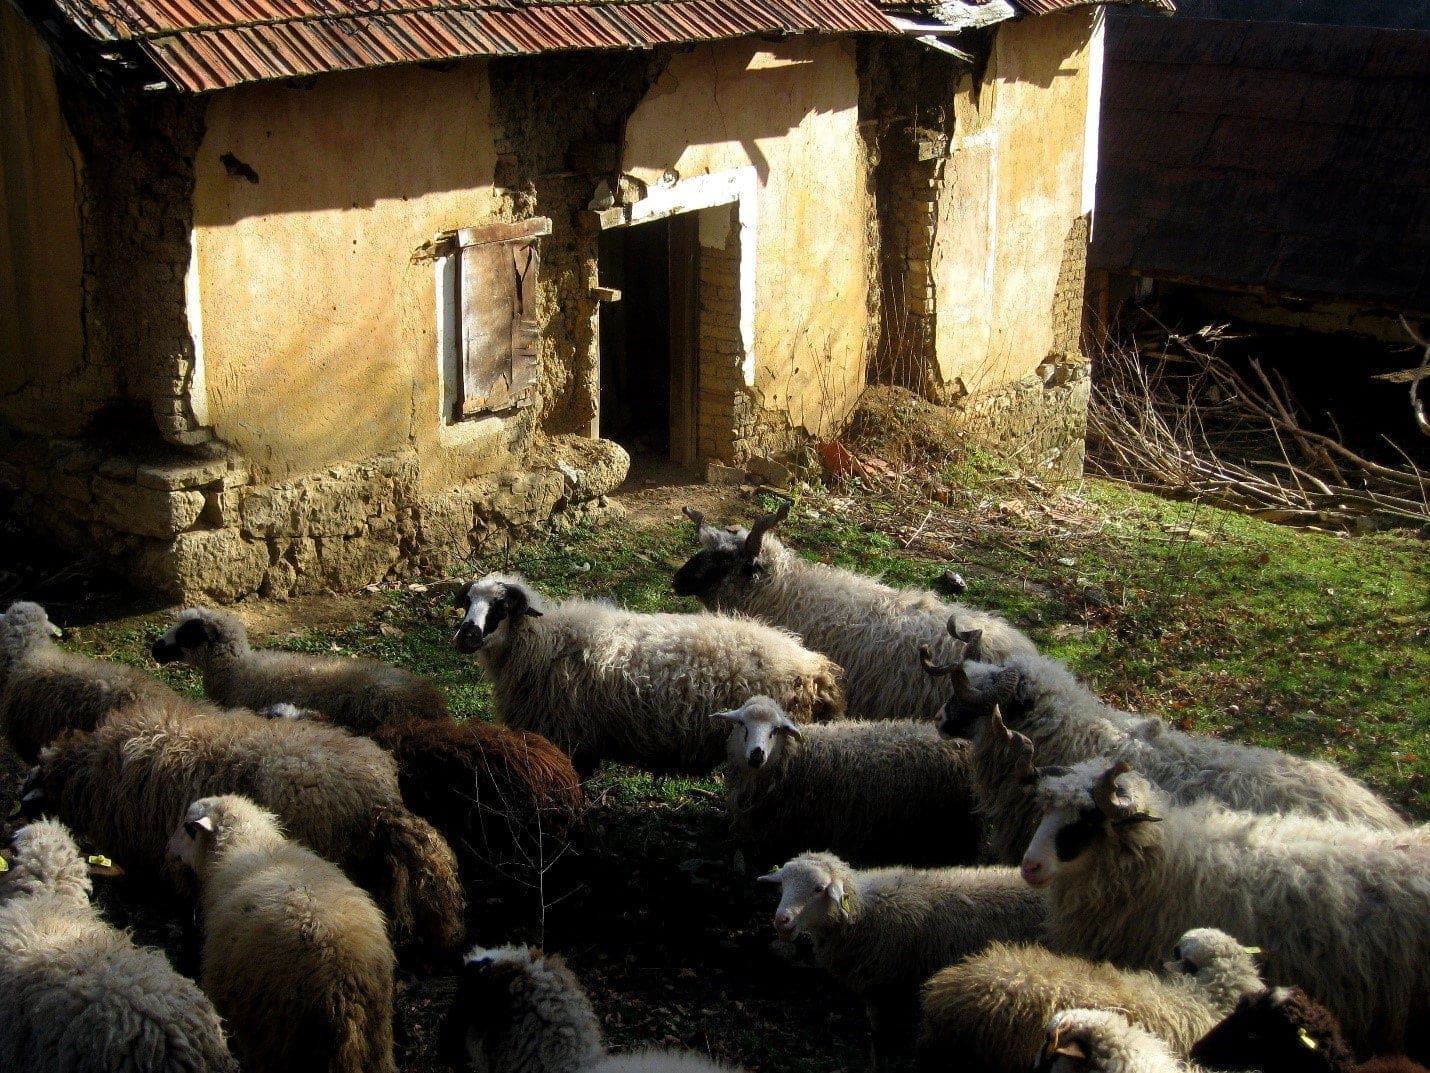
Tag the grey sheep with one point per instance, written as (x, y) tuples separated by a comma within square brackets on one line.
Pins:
[(76, 995), (866, 791), (295, 957), (871, 629), (883, 932), (358, 694), (604, 683), (1340, 909), (127, 783), (44, 689), (1041, 699), (986, 1014), (518, 1010)]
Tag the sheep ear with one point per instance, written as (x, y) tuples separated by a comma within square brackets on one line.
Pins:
[(789, 728), (733, 716), (835, 893), (774, 875), (696, 517), (100, 865), (1071, 1049), (203, 823), (55, 631)]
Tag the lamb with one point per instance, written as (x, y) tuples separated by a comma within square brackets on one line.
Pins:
[(1283, 1029), (1339, 908), (518, 1010), (1040, 698), (986, 1014), (295, 957), (45, 689), (869, 628), (127, 783), (1103, 1041), (608, 684), (884, 932), (76, 995), (863, 790), (358, 694)]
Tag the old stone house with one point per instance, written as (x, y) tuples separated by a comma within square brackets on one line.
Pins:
[(300, 294)]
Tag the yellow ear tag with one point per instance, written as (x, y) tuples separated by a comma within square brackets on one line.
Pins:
[(4, 865), (1305, 1037), (100, 861), (844, 902), (1253, 950)]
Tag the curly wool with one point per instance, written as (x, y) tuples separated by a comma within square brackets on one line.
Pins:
[(45, 690), (1109, 1043), (127, 783), (77, 994), (1068, 724), (1339, 909), (604, 683), (359, 694), (871, 629)]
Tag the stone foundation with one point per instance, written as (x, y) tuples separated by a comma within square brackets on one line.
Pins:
[(202, 531), (1038, 423)]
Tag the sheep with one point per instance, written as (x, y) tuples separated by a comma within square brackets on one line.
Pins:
[(869, 628), (883, 932), (1340, 909), (295, 957), (604, 683), (1040, 698), (76, 995), (358, 694), (127, 782), (1103, 1041), (986, 1014), (863, 790), (1283, 1029), (518, 1010), (45, 689)]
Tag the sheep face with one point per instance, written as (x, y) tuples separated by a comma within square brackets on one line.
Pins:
[(212, 822), (1204, 948), (811, 896), (976, 688), (190, 638), (494, 605), (728, 560), (1280, 1029), (1081, 1040), (759, 732), (1083, 808), (24, 627)]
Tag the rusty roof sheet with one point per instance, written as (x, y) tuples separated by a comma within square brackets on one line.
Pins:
[(1047, 7), (204, 45)]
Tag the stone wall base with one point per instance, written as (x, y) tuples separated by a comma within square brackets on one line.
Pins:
[(201, 530), (1038, 423)]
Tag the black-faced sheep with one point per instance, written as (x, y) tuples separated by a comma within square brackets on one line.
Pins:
[(127, 783), (358, 694), (866, 791), (520, 1011), (1103, 1041), (608, 684), (1339, 908), (986, 1014), (1284, 1030), (76, 995), (1041, 699), (45, 690), (295, 957), (871, 629), (883, 932)]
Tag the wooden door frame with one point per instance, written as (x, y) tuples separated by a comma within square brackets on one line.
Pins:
[(684, 290)]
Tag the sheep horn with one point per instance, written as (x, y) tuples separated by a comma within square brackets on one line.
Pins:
[(1105, 795), (695, 516), (1025, 769), (938, 670), (970, 638), (763, 524)]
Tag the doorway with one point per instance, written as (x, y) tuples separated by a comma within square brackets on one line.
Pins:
[(649, 338)]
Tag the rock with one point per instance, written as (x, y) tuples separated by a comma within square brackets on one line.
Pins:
[(132, 508), (206, 566), (719, 473), (954, 582), (769, 471)]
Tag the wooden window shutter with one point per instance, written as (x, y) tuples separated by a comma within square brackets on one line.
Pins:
[(499, 269)]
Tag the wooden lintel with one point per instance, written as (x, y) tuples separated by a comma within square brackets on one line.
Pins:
[(606, 294), (602, 219), (516, 231)]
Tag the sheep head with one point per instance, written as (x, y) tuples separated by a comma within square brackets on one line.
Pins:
[(815, 894), (726, 557), (212, 824), (759, 733), (1017, 747), (24, 627), (1281, 1028), (977, 688), (1082, 1039), (196, 634), (490, 602), (1082, 806)]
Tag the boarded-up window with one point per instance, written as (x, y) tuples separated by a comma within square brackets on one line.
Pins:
[(497, 271)]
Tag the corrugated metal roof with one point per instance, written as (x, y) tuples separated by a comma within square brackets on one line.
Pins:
[(1047, 7), (205, 45)]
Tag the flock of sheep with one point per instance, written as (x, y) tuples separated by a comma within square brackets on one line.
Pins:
[(1003, 868)]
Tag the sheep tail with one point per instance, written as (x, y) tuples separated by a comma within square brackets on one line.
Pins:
[(364, 1043), (415, 879)]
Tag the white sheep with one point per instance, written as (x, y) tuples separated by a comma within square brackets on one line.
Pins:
[(518, 1010), (359, 694), (883, 932), (865, 791), (1104, 1041), (1343, 911), (76, 995), (988, 1011), (604, 683), (1041, 699), (45, 690), (872, 630), (295, 957)]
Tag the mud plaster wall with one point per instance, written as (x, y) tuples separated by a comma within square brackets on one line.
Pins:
[(1010, 208), (46, 380), (790, 111)]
